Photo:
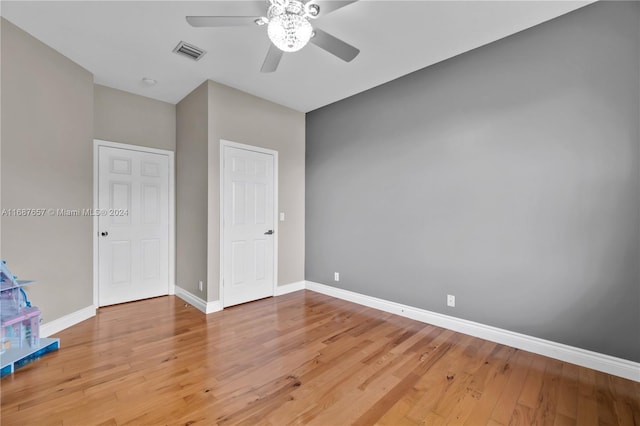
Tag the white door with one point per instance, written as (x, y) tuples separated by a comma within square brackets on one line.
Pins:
[(248, 225), (133, 225)]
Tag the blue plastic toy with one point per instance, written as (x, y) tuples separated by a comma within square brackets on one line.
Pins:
[(6, 277)]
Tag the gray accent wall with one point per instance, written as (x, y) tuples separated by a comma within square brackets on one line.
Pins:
[(507, 176), (47, 157), (120, 116)]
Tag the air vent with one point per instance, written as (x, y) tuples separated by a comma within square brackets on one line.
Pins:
[(189, 50)]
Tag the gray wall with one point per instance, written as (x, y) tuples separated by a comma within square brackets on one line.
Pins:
[(191, 190), (508, 177), (120, 116), (239, 117), (47, 133)]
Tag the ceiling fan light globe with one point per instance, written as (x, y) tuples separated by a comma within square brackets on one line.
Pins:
[(289, 32)]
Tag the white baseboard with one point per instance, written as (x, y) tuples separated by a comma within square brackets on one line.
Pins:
[(57, 325), (215, 306), (594, 360), (290, 288), (198, 303)]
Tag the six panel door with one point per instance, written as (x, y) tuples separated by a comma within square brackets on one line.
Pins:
[(133, 225), (248, 225)]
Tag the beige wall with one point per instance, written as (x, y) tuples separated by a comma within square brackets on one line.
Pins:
[(210, 113), (191, 191), (239, 117), (47, 132), (120, 116), (51, 113)]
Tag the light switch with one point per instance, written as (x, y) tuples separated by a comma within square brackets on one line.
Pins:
[(281, 216)]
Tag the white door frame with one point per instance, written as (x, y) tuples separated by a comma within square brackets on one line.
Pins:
[(226, 143), (97, 143)]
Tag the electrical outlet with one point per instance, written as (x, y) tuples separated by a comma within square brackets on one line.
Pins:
[(200, 286), (336, 276), (451, 300)]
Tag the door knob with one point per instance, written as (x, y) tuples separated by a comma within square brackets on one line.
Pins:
[(104, 233), (269, 232)]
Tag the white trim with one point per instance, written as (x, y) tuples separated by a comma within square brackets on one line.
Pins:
[(290, 288), (97, 143), (198, 303), (57, 325), (585, 358), (172, 223), (96, 278), (225, 143), (131, 147)]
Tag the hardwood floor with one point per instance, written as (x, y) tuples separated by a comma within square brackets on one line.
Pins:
[(302, 358)]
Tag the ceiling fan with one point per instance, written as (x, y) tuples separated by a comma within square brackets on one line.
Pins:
[(288, 27)]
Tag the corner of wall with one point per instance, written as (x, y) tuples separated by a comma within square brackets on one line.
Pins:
[(192, 130)]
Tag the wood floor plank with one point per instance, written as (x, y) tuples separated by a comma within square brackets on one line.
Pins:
[(530, 394), (494, 383), (432, 387), (523, 415), (508, 399), (545, 409), (567, 401), (587, 400), (627, 400), (461, 392), (562, 420), (301, 358)]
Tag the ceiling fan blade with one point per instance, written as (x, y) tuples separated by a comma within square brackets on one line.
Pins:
[(221, 21), (332, 5), (334, 45), (272, 60)]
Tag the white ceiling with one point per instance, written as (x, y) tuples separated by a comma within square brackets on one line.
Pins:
[(121, 42)]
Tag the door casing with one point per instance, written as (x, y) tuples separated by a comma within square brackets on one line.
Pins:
[(97, 143), (226, 143)]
